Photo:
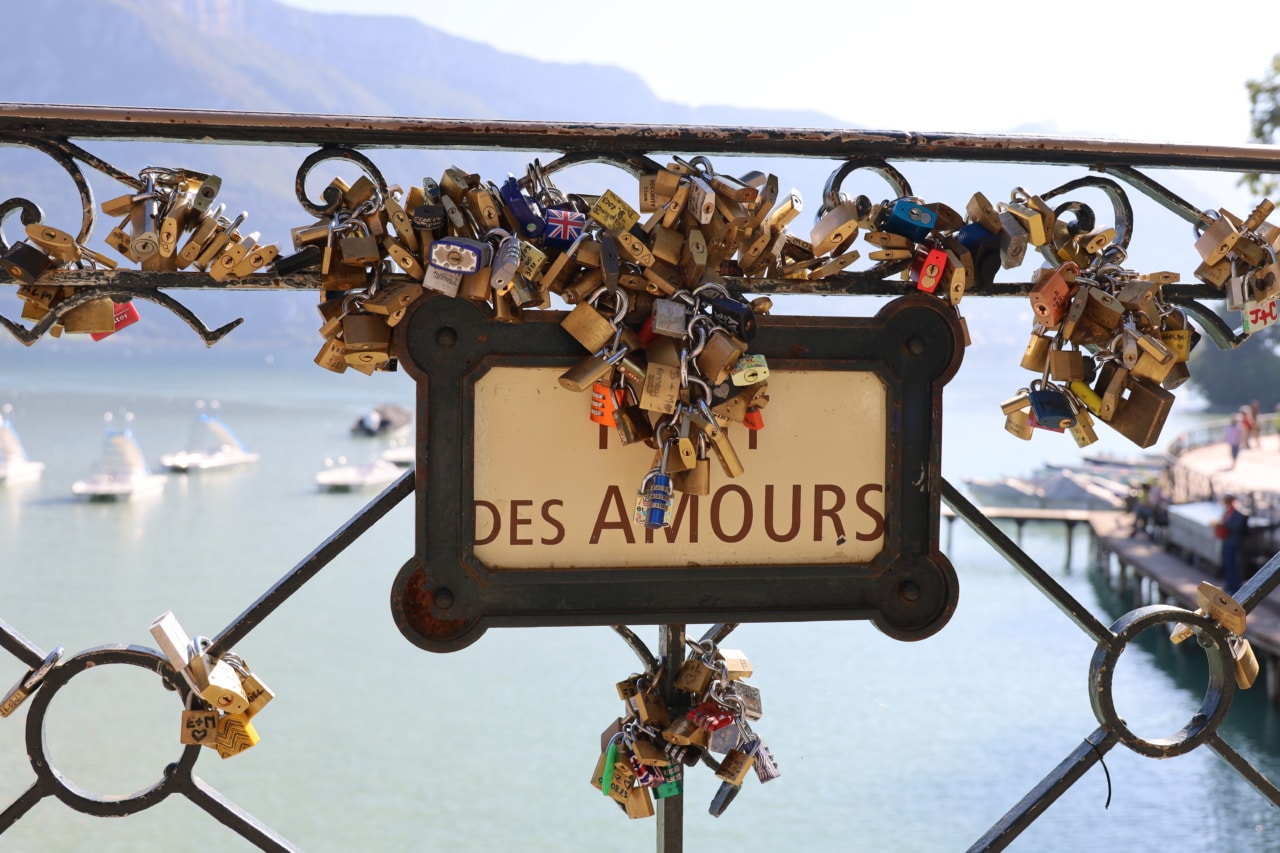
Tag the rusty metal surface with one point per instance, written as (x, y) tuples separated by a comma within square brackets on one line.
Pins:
[(85, 122), (445, 597)]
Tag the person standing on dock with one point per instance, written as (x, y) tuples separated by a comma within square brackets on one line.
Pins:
[(1231, 531), (1233, 434)]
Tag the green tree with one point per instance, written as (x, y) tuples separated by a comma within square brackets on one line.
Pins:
[(1232, 378), (1264, 119)]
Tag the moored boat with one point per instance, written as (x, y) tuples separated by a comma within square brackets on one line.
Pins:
[(343, 477), (15, 466), (212, 445), (123, 473)]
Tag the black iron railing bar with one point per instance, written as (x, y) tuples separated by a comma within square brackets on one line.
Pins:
[(311, 565), (19, 646), (130, 123), (997, 538), (1043, 795)]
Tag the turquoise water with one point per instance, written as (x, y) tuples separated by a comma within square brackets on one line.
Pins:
[(373, 744)]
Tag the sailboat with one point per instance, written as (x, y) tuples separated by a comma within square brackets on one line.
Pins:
[(123, 473), (15, 467), (212, 445)]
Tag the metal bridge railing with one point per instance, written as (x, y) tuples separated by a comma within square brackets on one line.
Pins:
[(51, 129)]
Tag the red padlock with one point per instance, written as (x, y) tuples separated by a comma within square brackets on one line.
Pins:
[(125, 315), (753, 419), (927, 269)]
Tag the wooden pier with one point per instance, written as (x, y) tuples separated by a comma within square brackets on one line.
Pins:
[(1144, 571), (1022, 516)]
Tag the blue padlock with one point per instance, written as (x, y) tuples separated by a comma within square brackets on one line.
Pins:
[(523, 209), (564, 227), (910, 219), (1051, 407)]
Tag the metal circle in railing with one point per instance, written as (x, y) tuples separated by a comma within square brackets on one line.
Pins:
[(1217, 697), (52, 781)]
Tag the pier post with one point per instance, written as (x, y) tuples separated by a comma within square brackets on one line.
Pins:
[(1071, 529), (1273, 680)]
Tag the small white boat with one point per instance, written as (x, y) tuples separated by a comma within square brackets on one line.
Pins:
[(212, 445), (402, 455), (342, 477), (123, 474), (15, 467)]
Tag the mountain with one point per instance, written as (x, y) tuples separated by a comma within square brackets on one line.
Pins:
[(258, 55)]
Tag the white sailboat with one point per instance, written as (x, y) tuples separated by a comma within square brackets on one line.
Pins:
[(123, 474), (15, 466), (212, 445)]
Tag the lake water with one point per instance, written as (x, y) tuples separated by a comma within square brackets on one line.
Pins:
[(373, 744)]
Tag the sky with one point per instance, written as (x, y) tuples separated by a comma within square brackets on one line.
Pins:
[(1145, 71)]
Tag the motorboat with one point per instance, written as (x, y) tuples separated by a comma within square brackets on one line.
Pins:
[(387, 419), (1054, 488), (122, 474), (344, 477), (401, 455), (15, 466), (212, 445)]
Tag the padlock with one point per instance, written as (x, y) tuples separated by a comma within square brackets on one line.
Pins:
[(734, 316), (910, 218), (1141, 416), (1032, 214), (929, 268), (123, 314), (652, 710), (589, 326), (604, 403), (1013, 241), (1066, 365), (653, 509), (737, 763), (28, 684), (749, 369), (634, 425), (697, 479), (199, 728), (1051, 295), (26, 263), (1050, 406), (736, 664), (584, 374), (835, 228), (1246, 663), (983, 212), (235, 735), (1018, 424), (1218, 239), (96, 315), (718, 354), (1036, 355)]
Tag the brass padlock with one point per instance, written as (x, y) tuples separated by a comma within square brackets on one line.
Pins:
[(1246, 663), (1036, 355), (235, 735), (1141, 416), (96, 315), (1018, 424)]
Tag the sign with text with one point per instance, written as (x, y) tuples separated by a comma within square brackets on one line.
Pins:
[(803, 498), (525, 507)]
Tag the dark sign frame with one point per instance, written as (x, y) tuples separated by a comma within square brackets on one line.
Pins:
[(444, 598)]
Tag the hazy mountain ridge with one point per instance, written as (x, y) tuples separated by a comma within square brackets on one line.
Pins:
[(259, 55)]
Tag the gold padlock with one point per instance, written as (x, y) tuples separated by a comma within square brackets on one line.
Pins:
[(235, 735)]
